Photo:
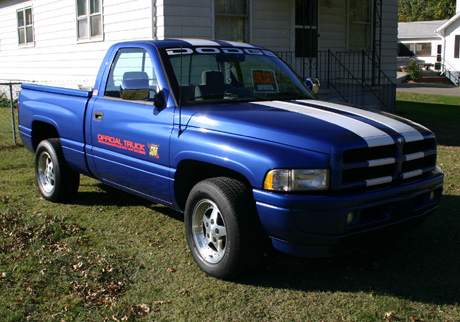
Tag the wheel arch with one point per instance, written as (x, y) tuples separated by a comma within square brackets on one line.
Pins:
[(42, 131), (190, 172)]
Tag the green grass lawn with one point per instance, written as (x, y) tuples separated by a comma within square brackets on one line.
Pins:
[(110, 256), (6, 127)]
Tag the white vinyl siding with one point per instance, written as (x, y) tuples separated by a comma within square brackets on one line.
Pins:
[(452, 33), (271, 24), (389, 38), (185, 19), (332, 25), (58, 58)]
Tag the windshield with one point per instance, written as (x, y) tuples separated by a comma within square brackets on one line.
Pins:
[(215, 74)]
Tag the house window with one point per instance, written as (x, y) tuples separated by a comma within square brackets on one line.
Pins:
[(457, 47), (359, 24), (231, 20), (89, 19), (25, 26), (421, 49), (306, 28)]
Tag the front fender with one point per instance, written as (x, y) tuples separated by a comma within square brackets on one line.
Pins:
[(250, 157)]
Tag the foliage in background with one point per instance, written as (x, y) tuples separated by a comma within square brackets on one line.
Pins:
[(425, 10), (5, 102)]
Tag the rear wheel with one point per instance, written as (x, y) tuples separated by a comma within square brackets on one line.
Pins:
[(223, 231), (56, 180)]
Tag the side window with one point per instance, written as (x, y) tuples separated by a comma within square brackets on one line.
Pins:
[(130, 63), (359, 24), (25, 27), (89, 20), (231, 20)]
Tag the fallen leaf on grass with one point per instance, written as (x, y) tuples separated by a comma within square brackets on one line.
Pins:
[(140, 309), (171, 270), (391, 316)]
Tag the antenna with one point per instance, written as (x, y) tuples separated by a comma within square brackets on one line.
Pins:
[(180, 84)]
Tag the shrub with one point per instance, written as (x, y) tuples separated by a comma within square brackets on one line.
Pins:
[(4, 102), (413, 70)]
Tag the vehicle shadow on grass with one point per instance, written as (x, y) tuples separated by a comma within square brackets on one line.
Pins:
[(442, 119), (422, 265), (110, 196)]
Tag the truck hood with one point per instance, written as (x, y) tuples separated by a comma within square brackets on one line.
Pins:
[(308, 124)]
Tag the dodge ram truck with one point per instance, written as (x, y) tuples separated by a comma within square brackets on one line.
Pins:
[(228, 135)]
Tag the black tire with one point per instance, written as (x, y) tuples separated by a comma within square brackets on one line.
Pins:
[(222, 227), (56, 181)]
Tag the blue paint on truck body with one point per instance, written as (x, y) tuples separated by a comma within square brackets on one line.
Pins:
[(382, 169)]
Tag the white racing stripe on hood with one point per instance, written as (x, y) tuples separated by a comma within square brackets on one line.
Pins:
[(372, 135), (408, 132)]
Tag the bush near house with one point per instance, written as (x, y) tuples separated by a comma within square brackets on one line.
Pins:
[(413, 70), (5, 102)]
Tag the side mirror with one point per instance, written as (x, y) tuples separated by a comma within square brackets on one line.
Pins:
[(313, 84), (134, 89), (159, 100)]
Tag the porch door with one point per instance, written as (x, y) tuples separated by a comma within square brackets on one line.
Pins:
[(306, 35)]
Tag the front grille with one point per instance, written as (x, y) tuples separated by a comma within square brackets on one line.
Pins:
[(388, 163)]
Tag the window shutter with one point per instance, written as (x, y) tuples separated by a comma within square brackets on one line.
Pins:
[(457, 47)]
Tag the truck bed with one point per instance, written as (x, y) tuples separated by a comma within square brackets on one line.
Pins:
[(63, 108)]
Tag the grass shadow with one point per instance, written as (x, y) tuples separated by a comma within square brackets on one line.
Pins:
[(110, 196), (442, 119), (422, 265)]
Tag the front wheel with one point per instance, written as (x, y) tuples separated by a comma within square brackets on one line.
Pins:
[(56, 180), (222, 228)]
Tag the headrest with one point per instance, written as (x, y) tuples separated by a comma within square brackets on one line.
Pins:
[(135, 75), (212, 77)]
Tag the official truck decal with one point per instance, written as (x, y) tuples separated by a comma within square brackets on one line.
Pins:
[(121, 144)]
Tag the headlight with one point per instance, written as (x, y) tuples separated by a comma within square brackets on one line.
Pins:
[(297, 180)]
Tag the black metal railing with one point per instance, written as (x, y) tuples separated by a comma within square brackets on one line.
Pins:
[(343, 81), (381, 86), (451, 73), (351, 74)]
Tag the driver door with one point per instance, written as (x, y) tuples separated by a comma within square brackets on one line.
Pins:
[(130, 137)]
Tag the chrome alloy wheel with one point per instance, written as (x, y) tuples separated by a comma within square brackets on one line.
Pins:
[(209, 231), (46, 174)]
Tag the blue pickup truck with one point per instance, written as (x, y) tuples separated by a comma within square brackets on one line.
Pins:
[(228, 135)]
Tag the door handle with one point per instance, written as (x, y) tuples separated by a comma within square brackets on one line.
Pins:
[(98, 116)]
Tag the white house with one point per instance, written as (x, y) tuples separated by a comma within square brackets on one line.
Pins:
[(450, 36), (62, 42), (421, 39)]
